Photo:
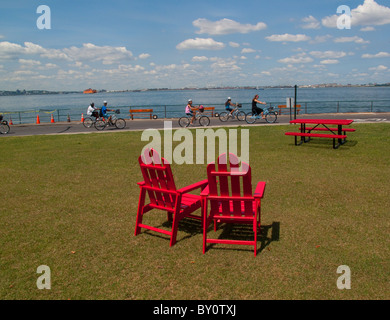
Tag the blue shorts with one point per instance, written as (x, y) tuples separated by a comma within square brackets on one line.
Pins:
[(190, 114), (229, 109)]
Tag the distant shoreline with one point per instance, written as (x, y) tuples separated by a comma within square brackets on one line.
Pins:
[(46, 92)]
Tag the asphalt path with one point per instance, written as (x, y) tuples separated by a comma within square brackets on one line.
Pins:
[(76, 127)]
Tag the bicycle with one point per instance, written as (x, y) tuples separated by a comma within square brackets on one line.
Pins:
[(268, 113), (88, 122), (119, 123), (203, 120), (4, 127), (240, 115)]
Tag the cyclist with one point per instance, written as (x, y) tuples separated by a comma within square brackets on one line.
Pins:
[(103, 111), (190, 110), (92, 111), (255, 109), (229, 104)]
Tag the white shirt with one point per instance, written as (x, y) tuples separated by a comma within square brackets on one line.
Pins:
[(90, 110)]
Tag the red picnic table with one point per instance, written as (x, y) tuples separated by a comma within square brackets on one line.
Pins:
[(325, 125)]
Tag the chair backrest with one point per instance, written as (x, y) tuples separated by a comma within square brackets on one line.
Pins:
[(230, 187), (158, 179)]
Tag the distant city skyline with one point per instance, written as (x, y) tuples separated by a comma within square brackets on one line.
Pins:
[(134, 45)]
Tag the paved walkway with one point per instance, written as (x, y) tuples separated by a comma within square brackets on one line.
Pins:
[(76, 127)]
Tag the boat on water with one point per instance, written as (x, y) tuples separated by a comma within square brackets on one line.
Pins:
[(89, 91)]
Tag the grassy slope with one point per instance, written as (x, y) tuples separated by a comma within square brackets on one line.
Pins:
[(70, 202)]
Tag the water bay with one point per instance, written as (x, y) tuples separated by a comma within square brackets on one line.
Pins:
[(171, 103)]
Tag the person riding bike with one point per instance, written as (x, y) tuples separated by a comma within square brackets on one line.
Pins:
[(190, 110), (103, 112), (229, 104), (255, 109), (92, 111)]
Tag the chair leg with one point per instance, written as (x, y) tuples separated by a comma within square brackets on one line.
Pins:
[(141, 203), (204, 224), (255, 235), (175, 225), (205, 227)]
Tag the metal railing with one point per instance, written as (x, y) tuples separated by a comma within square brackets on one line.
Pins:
[(175, 111)]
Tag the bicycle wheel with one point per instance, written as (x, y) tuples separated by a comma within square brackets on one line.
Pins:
[(88, 122), (204, 121), (4, 128), (250, 118), (120, 123), (100, 125), (241, 115), (184, 122), (271, 117), (224, 116)]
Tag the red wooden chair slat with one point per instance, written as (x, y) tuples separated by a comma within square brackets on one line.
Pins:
[(160, 187), (239, 206)]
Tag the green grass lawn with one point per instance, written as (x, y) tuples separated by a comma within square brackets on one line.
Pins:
[(70, 201)]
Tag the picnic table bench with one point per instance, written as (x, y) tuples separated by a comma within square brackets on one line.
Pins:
[(209, 111), (284, 110), (338, 133), (142, 112)]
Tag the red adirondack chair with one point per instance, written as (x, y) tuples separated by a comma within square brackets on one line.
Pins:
[(160, 186), (228, 203)]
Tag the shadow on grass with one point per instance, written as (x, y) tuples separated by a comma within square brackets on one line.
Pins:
[(192, 227), (245, 232), (189, 226), (322, 143)]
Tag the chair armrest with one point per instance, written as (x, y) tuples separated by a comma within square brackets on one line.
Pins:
[(142, 183), (205, 192), (200, 184), (260, 188)]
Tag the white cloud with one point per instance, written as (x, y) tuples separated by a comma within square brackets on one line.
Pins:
[(369, 13), (379, 68), (367, 29), (222, 65), (199, 58), (378, 55), (321, 39), (29, 62), (51, 66), (248, 50), (88, 51), (234, 44), (355, 39), (288, 37), (299, 58), (310, 23), (328, 54), (10, 50), (106, 54), (330, 61), (225, 26), (144, 56), (200, 44)]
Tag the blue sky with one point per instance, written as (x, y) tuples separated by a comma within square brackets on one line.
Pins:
[(119, 45)]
